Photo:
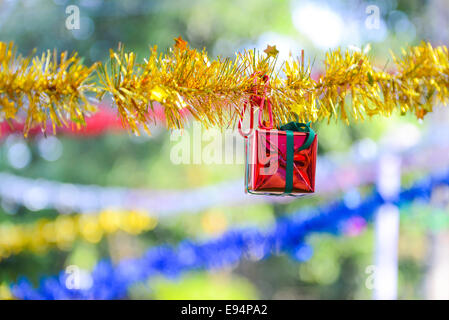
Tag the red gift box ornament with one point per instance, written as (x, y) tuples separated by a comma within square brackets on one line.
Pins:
[(279, 162)]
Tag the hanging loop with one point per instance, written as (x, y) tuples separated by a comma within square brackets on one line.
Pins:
[(255, 100), (251, 121), (264, 101), (270, 115)]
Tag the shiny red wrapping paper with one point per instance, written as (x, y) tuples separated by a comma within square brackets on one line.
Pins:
[(266, 153)]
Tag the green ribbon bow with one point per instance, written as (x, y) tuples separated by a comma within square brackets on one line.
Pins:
[(289, 128)]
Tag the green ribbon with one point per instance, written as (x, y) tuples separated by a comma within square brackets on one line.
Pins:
[(289, 129)]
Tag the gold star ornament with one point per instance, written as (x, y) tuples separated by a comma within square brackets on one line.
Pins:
[(180, 43), (271, 51)]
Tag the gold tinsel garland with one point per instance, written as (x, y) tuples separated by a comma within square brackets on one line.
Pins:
[(213, 90), (44, 87)]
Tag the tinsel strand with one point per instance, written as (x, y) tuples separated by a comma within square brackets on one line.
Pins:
[(51, 87), (185, 80)]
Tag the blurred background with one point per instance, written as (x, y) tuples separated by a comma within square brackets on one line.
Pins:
[(339, 267)]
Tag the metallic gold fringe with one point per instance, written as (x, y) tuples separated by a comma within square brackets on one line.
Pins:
[(349, 88), (46, 87), (213, 91)]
